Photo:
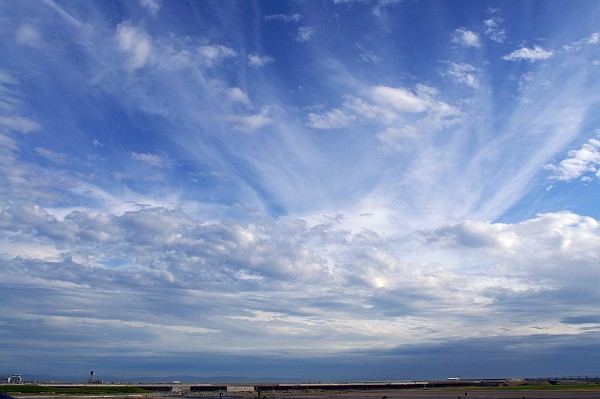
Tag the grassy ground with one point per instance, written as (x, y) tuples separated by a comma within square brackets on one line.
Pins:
[(546, 387)]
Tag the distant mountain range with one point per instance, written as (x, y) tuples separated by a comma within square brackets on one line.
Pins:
[(153, 379)]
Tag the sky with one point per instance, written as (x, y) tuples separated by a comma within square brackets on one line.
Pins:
[(300, 190)]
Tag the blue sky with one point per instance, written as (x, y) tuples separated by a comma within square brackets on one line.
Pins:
[(319, 190)]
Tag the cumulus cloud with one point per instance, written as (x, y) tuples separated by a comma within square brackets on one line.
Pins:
[(136, 43), (331, 283), (466, 38), (580, 163), (259, 60), (529, 54)]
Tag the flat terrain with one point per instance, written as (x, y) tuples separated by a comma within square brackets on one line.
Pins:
[(431, 394), (582, 391)]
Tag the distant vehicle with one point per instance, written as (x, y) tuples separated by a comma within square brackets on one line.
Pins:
[(453, 378)]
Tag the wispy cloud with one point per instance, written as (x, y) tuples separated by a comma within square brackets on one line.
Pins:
[(494, 30), (28, 34), (136, 43), (152, 5), (332, 119), (151, 159), (19, 124), (259, 60), (212, 54), (250, 122), (464, 73), (529, 54), (284, 17), (53, 156), (305, 33), (415, 111)]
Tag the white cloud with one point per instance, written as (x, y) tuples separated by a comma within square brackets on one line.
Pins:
[(251, 122), (259, 60), (283, 17), (398, 99), (305, 33), (152, 5), (531, 81), (593, 39), (136, 43), (19, 124), (579, 163), (151, 159), (493, 30), (213, 54), (529, 54), (236, 94), (65, 15), (367, 55), (466, 38), (7, 79), (331, 281), (29, 35), (394, 107), (333, 119), (52, 155), (395, 136), (349, 1), (464, 73)]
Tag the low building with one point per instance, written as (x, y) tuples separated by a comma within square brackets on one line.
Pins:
[(13, 379)]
